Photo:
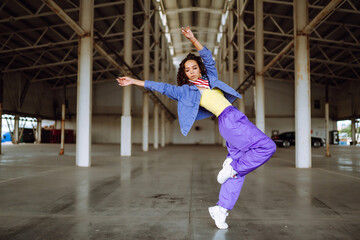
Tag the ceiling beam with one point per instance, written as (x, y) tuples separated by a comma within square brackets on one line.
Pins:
[(51, 13), (193, 9)]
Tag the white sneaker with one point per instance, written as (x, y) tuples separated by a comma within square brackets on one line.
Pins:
[(226, 172), (219, 217)]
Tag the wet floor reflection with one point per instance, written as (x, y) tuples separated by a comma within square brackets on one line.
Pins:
[(220, 234), (345, 161), (82, 206), (303, 198), (125, 169), (347, 164)]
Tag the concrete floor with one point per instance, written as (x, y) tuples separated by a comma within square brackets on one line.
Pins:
[(165, 193)]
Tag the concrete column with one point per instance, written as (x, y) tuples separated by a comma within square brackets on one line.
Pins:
[(223, 59), (302, 87), (145, 123), (62, 129), (353, 131), (156, 126), (241, 53), (15, 139), (163, 79), (168, 77), (63, 114), (327, 129), (327, 121), (84, 89), (162, 128), (219, 61), (157, 38), (218, 138), (145, 129), (156, 73), (219, 68), (230, 45), (38, 130), (259, 65), (125, 141), (223, 72)]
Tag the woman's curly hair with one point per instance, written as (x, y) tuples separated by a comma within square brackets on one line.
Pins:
[(181, 75)]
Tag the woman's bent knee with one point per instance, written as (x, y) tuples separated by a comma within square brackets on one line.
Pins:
[(272, 147)]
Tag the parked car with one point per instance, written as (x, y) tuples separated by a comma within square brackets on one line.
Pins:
[(287, 139)]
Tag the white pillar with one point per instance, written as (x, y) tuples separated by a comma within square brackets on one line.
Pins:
[(230, 45), (163, 79), (62, 129), (156, 73), (353, 131), (84, 89), (223, 59), (162, 128), (223, 70), (302, 87), (125, 141), (327, 113), (259, 65), (156, 126), (38, 130), (241, 53), (327, 129), (16, 130), (145, 129), (145, 123)]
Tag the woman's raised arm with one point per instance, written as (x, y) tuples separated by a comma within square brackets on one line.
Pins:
[(190, 35)]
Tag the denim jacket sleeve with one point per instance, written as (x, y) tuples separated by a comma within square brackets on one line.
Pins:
[(169, 90), (209, 62)]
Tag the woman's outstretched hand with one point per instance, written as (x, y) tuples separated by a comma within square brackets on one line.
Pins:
[(124, 81), (187, 33)]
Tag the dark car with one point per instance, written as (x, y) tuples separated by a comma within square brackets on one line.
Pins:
[(287, 139)]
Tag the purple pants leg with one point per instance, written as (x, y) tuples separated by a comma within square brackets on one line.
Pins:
[(247, 146), (230, 191)]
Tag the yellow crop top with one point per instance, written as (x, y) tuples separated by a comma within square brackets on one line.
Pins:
[(214, 101)]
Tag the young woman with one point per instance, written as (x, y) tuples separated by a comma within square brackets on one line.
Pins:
[(201, 94)]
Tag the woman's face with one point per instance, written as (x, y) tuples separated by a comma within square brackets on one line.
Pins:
[(192, 70)]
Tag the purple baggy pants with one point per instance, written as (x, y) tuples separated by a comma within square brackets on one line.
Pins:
[(247, 146)]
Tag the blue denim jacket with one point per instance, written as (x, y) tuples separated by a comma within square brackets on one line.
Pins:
[(188, 97)]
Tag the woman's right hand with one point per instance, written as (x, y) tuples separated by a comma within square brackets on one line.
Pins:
[(187, 33), (124, 81)]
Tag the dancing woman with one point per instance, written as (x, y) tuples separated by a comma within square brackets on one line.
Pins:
[(200, 94)]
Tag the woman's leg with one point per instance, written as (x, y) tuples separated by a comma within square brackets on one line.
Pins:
[(254, 157), (247, 145), (229, 192)]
